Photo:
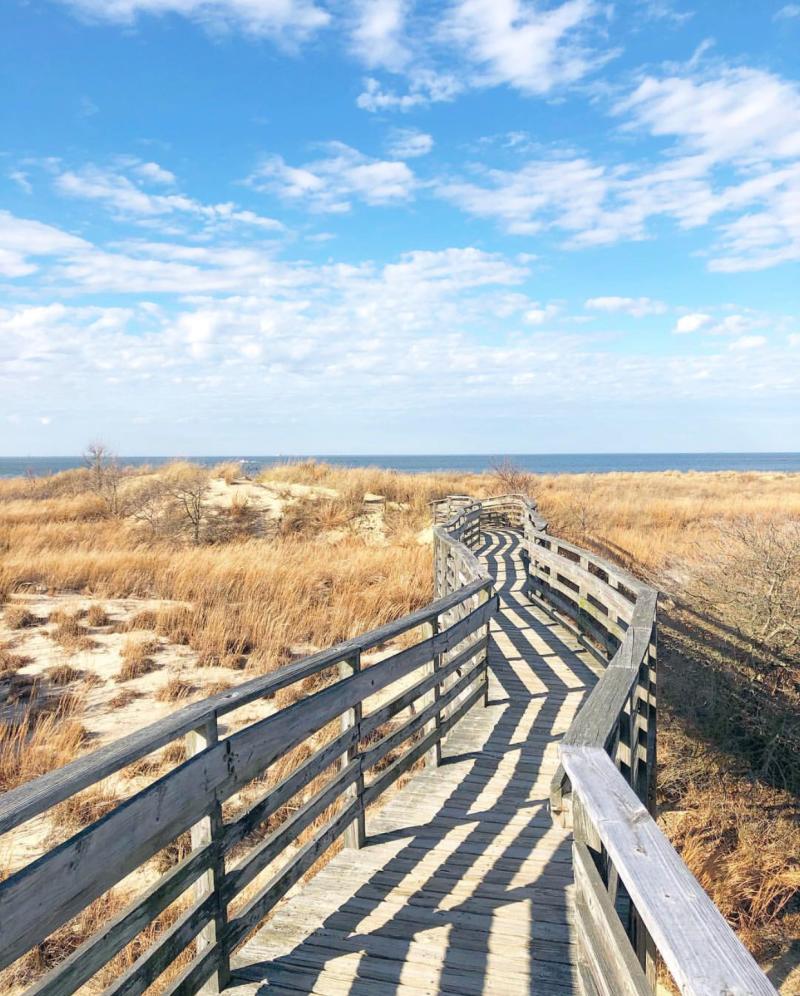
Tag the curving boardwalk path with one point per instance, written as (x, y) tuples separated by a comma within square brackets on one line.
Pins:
[(464, 886)]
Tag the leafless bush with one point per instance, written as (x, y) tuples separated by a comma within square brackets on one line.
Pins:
[(749, 576), (510, 478)]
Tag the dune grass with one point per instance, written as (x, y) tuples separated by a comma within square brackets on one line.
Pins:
[(249, 602)]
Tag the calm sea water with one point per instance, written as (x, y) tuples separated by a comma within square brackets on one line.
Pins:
[(538, 463)]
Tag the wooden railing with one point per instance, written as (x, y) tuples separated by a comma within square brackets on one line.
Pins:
[(636, 901), (441, 675)]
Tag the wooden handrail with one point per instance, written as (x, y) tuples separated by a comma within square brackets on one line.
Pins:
[(447, 668), (635, 898)]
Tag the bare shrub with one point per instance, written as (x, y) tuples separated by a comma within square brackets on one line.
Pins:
[(510, 478), (105, 474), (749, 575), (187, 485)]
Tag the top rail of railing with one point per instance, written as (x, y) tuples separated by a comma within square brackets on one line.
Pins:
[(636, 900)]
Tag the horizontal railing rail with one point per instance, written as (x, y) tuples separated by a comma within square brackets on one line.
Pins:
[(389, 715), (636, 901)]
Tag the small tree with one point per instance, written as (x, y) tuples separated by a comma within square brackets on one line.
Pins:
[(188, 486), (105, 476), (511, 478)]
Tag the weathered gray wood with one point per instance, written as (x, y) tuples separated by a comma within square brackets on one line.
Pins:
[(614, 968), (356, 833), (31, 799), (279, 885), (259, 857), (164, 951), (101, 947), (209, 832), (698, 947)]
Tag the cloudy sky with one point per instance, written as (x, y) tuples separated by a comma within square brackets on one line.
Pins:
[(354, 226)]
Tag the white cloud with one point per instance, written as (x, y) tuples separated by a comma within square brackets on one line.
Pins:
[(408, 143), (425, 86), (22, 241), (737, 114), (749, 342), (377, 35), (329, 184), (789, 10), (519, 43), (20, 177), (539, 315), (289, 21), (637, 307), (691, 323), (128, 199), (154, 173)]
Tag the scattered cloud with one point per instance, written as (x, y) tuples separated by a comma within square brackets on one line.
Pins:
[(23, 242), (129, 198), (749, 342), (691, 323), (377, 34), (524, 45), (425, 86), (637, 307), (408, 143), (332, 183), (788, 11), (286, 21)]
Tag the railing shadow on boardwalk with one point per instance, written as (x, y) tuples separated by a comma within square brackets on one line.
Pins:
[(513, 733)]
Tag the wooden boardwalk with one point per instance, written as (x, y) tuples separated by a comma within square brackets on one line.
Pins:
[(464, 885)]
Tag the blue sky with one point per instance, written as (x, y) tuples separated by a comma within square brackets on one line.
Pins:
[(287, 226)]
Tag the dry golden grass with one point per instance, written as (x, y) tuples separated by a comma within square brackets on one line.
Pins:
[(40, 741), (19, 617), (248, 601), (97, 616), (175, 689)]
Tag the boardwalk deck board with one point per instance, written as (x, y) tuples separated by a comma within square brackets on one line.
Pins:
[(464, 885)]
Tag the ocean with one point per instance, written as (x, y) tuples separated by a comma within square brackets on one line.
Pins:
[(538, 463)]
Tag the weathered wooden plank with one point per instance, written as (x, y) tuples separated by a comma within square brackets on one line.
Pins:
[(164, 951), (614, 967), (279, 885), (698, 947), (269, 848), (29, 800), (101, 947)]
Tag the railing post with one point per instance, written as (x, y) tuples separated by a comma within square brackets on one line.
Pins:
[(484, 597), (434, 755), (210, 831), (355, 834)]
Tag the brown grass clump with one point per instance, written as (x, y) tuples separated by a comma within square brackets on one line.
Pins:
[(11, 662), (144, 619), (70, 633), (19, 617), (229, 472), (97, 616), (175, 690), (63, 674), (136, 659), (124, 698)]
